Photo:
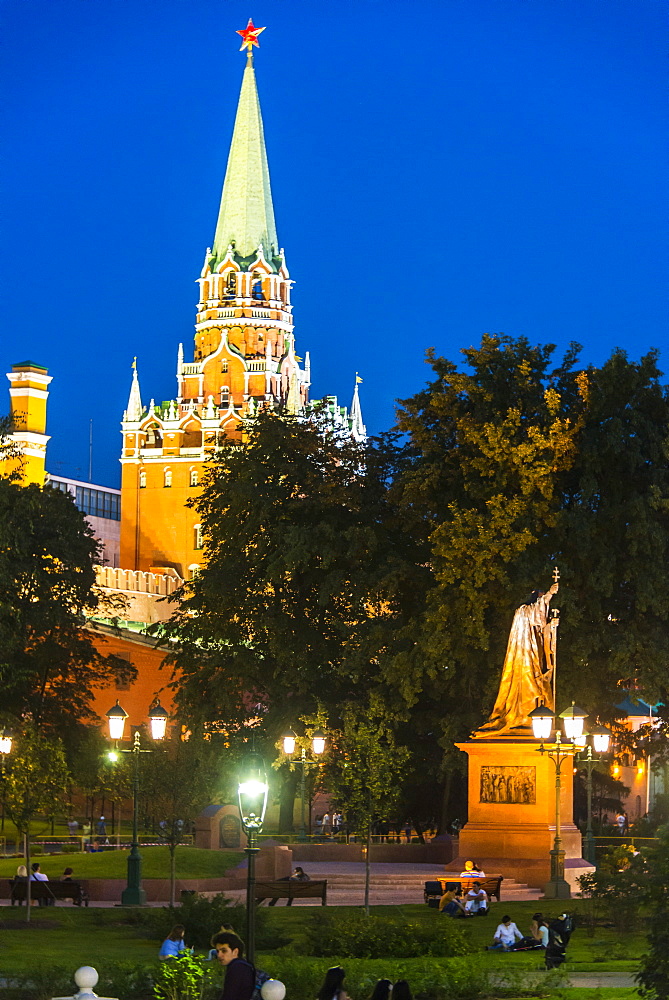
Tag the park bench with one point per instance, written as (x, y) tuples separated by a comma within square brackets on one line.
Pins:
[(291, 889), (51, 891), (435, 888)]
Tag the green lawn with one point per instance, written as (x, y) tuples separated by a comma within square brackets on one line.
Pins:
[(192, 862), (70, 937)]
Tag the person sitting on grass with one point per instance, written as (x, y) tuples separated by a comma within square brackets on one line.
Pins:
[(333, 985), (401, 990), (476, 901), (240, 975), (505, 936), (451, 902), (174, 945), (538, 936), (382, 990)]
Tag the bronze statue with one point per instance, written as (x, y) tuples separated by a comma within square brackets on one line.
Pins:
[(529, 665)]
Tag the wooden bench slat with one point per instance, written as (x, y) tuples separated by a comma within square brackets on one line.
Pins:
[(291, 889)]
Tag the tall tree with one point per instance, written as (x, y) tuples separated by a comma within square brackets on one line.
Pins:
[(364, 772), (520, 464), (178, 781), (35, 781), (49, 666)]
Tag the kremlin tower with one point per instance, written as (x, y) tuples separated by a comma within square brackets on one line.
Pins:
[(244, 357)]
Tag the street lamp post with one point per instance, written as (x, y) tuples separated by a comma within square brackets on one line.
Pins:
[(598, 739), (134, 894), (252, 793), (6, 738), (318, 747), (542, 725)]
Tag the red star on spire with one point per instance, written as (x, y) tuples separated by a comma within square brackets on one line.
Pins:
[(250, 36)]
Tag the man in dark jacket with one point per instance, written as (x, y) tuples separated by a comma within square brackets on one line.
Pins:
[(240, 975)]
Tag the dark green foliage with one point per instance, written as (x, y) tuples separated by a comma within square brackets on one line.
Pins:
[(49, 666), (654, 975), (202, 916), (361, 936), (188, 979)]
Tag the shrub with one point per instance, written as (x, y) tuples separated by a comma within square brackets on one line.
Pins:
[(360, 936), (430, 979), (202, 917), (187, 979)]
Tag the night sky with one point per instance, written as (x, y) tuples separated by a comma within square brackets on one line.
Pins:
[(439, 170)]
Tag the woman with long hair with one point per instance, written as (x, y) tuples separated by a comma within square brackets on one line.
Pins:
[(401, 990), (382, 990), (174, 944), (333, 985)]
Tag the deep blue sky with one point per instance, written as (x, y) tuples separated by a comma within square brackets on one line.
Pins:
[(439, 170)]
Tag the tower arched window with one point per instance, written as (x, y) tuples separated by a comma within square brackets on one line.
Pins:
[(194, 571), (230, 285), (142, 480), (224, 366), (167, 478), (225, 395), (193, 477), (197, 536), (256, 288)]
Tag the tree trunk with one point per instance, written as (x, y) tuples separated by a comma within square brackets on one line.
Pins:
[(367, 854), (173, 874), (444, 818), (287, 802), (27, 852)]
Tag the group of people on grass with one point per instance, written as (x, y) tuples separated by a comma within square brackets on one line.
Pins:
[(333, 987), (474, 903)]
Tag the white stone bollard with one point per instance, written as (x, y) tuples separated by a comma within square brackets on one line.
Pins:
[(273, 989), (86, 978)]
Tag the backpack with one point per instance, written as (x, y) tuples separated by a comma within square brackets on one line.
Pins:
[(261, 979)]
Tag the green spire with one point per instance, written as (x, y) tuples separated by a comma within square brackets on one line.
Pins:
[(246, 216)]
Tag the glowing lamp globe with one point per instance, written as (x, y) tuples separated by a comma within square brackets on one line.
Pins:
[(601, 739), (158, 717), (542, 722), (6, 742), (273, 989), (288, 739), (573, 720), (318, 742), (116, 717), (252, 793)]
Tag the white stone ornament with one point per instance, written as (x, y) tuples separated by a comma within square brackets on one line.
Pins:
[(273, 989), (86, 978)]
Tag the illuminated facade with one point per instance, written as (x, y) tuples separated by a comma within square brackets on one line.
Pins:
[(244, 358)]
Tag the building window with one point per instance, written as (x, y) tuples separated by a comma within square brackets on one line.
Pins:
[(231, 284), (193, 477), (197, 536), (225, 395), (194, 571), (256, 289), (142, 480), (224, 366), (168, 478)]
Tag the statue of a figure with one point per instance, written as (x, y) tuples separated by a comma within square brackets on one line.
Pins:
[(529, 665)]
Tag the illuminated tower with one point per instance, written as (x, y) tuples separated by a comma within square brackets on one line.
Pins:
[(28, 392), (244, 357)]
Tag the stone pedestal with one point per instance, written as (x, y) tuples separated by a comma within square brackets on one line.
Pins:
[(219, 828), (511, 825)]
